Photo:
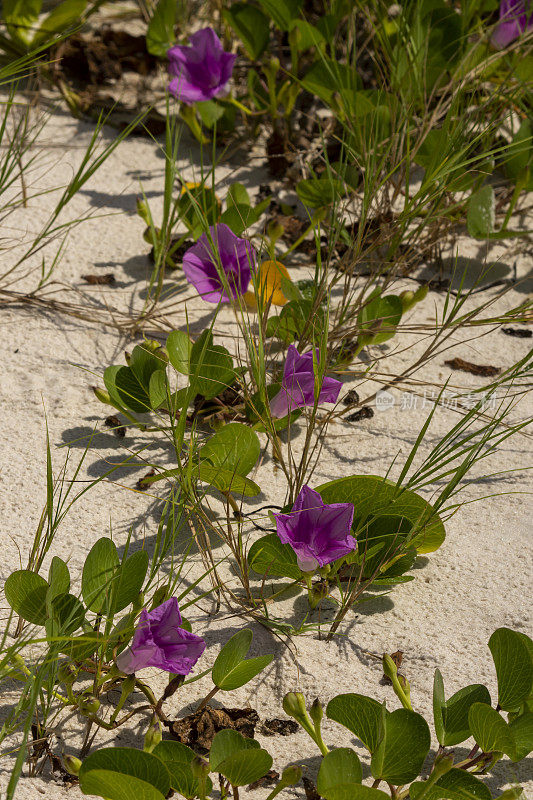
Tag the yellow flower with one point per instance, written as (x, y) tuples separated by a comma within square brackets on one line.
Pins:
[(269, 280)]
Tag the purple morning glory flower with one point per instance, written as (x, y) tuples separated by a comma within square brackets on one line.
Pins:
[(318, 533), (201, 71), (237, 259), (160, 641), (516, 16), (298, 385)]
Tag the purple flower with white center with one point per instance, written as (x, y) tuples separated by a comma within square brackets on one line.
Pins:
[(200, 71), (317, 532), (298, 385), (160, 641), (237, 260), (516, 16)]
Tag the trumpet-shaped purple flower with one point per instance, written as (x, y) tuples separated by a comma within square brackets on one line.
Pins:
[(160, 641), (298, 385), (516, 16), (318, 533), (237, 259), (200, 71)]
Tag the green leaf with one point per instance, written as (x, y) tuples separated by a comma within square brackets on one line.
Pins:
[(227, 743), (251, 25), (21, 17), (339, 768), (99, 571), (282, 12), (179, 348), (66, 615), (271, 557), (126, 761), (160, 33), (308, 36), (454, 785), (512, 653), (226, 481), (439, 703), (237, 193), (58, 578), (327, 77), (66, 15), (211, 371), (231, 670), (380, 317), (522, 731), (356, 791), (157, 389), (401, 753), (362, 715), (210, 112), (177, 758), (372, 496), (130, 580), (319, 192), (115, 786), (239, 217), (480, 213), (456, 724), (247, 767), (490, 730), (25, 592), (235, 448)]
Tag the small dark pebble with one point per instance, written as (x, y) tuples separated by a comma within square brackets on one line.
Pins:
[(100, 280), (520, 333), (271, 777), (364, 413), (280, 727), (351, 398), (118, 429)]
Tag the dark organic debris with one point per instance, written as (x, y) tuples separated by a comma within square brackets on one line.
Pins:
[(520, 333), (143, 483), (276, 149), (280, 727), (310, 791), (397, 657), (118, 428), (267, 780), (474, 369), (197, 730), (351, 398), (364, 413), (100, 280)]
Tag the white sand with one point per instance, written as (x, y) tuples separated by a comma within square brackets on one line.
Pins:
[(479, 580)]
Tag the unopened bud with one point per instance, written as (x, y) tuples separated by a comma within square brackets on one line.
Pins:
[(88, 706), (102, 395), (389, 667), (142, 210), (72, 764), (274, 64), (408, 300), (443, 764), (316, 712), (294, 705), (291, 775), (153, 736)]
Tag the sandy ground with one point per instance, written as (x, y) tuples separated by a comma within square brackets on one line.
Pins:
[(479, 580)]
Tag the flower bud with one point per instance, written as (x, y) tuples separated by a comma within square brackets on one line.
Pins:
[(88, 706), (153, 736), (291, 775), (72, 764), (316, 712), (274, 65), (442, 765), (408, 300), (67, 673), (142, 210), (294, 705), (389, 667), (102, 395)]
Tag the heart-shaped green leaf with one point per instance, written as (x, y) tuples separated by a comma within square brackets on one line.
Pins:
[(512, 653), (490, 730), (234, 448), (401, 753), (339, 768), (361, 715), (271, 557), (99, 571), (26, 592)]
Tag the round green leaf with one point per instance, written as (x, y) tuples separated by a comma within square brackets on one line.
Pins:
[(490, 730), (339, 768), (456, 725), (246, 766), (126, 761), (269, 556), (512, 653), (130, 580), (235, 448), (362, 715), (227, 743), (25, 592), (116, 786), (401, 753), (211, 367)]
